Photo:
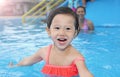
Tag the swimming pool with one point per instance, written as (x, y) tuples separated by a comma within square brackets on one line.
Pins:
[(101, 48)]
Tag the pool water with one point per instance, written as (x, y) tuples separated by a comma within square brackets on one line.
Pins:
[(100, 48)]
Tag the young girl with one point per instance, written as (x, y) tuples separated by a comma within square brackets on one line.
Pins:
[(62, 59)]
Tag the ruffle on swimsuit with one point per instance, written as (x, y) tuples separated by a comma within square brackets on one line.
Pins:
[(62, 71)]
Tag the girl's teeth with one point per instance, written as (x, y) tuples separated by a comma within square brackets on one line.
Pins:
[(62, 39)]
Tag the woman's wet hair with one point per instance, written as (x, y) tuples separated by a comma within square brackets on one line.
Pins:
[(63, 10), (81, 7)]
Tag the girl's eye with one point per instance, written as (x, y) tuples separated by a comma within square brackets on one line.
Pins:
[(68, 28), (57, 28)]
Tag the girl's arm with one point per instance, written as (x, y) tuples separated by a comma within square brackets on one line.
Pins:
[(28, 60), (82, 69)]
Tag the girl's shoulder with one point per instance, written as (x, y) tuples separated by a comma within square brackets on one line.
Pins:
[(43, 51), (76, 54)]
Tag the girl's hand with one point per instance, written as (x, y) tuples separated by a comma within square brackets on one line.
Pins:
[(11, 65)]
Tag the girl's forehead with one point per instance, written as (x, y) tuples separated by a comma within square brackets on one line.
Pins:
[(65, 17)]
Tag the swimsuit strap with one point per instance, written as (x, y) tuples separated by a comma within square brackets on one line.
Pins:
[(47, 58), (85, 23), (78, 59), (85, 26)]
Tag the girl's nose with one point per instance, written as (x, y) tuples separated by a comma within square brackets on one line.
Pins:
[(62, 32)]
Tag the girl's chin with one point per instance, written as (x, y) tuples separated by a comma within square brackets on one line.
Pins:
[(62, 46), (62, 43)]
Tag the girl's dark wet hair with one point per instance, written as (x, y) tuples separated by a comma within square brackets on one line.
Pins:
[(63, 10), (81, 7)]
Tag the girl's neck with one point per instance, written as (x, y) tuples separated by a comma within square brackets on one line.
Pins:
[(62, 52)]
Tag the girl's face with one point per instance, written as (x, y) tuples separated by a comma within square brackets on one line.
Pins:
[(62, 30), (80, 12)]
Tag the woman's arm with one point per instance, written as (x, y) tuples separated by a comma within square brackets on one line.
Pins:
[(91, 26)]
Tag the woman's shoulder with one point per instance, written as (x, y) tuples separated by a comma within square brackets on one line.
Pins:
[(89, 21), (90, 24)]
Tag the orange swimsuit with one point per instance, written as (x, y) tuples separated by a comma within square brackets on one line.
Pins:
[(60, 71)]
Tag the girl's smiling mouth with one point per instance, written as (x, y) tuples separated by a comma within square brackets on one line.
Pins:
[(62, 40)]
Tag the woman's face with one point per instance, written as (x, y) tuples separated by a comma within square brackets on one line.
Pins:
[(80, 12)]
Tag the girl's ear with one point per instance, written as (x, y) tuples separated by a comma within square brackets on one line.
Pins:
[(48, 31), (75, 34)]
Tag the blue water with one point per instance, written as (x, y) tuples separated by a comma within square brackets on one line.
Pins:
[(101, 48)]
